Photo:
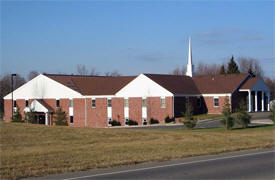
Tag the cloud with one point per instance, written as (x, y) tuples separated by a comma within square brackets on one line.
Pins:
[(209, 33), (227, 35), (253, 37)]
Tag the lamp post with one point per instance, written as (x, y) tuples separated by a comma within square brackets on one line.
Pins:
[(12, 94)]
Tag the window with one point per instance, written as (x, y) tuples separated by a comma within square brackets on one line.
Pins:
[(26, 103), (57, 103), (71, 103), (144, 102), (126, 103), (162, 103), (14, 103), (199, 102), (71, 119), (109, 103), (93, 103), (216, 101)]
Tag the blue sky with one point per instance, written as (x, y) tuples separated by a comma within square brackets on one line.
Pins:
[(132, 37)]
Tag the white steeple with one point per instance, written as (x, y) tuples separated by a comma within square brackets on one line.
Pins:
[(190, 67)]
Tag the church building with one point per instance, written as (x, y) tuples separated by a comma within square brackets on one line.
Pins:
[(95, 101)]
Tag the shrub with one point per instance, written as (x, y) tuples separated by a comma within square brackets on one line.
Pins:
[(115, 123), (242, 117), (17, 117), (272, 116), (189, 122), (168, 119), (154, 121), (30, 117), (60, 118), (132, 122), (227, 120)]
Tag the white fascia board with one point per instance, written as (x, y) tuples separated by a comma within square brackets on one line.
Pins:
[(244, 90), (143, 86), (43, 87), (187, 95), (100, 96), (216, 95)]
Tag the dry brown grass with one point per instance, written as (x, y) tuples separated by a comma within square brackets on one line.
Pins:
[(37, 150)]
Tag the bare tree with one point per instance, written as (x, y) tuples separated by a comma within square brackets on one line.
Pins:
[(207, 69), (5, 87), (93, 72), (250, 64), (179, 71), (82, 70), (114, 73), (271, 83), (32, 74)]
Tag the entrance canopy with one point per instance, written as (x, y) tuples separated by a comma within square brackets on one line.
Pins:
[(258, 94), (39, 105)]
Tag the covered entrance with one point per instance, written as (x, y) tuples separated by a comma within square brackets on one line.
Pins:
[(258, 94), (43, 112)]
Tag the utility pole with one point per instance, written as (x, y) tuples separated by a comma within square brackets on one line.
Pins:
[(12, 94)]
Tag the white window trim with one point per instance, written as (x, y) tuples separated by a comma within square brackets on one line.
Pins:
[(215, 97)]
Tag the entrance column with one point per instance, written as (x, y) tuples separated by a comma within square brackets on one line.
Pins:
[(262, 100), (47, 118), (249, 101), (268, 100), (256, 101)]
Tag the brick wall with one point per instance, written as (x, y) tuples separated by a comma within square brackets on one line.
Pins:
[(211, 109), (64, 104), (135, 109), (118, 110), (79, 112), (97, 117), (7, 110), (154, 109)]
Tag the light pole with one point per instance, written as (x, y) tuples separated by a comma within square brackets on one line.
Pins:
[(12, 94)]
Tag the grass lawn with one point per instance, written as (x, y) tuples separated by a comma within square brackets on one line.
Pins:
[(37, 150)]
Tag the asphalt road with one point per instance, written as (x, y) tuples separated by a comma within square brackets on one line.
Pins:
[(212, 123), (251, 164)]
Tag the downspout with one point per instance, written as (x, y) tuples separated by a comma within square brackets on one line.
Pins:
[(85, 112)]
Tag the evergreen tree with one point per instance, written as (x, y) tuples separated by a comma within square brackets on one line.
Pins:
[(189, 122), (232, 67), (227, 120), (242, 117), (250, 70), (17, 117), (60, 118), (222, 70), (30, 117)]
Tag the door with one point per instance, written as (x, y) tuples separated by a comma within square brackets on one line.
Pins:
[(41, 119)]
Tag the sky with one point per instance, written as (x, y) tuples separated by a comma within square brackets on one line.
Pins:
[(133, 37)]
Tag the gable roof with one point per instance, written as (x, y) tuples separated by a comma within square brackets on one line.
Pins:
[(92, 85), (176, 84), (227, 83), (250, 83)]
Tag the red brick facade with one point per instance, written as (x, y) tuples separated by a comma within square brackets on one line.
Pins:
[(97, 116), (118, 110), (154, 109), (135, 109), (211, 109)]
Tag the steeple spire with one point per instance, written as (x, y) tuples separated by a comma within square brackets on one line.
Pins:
[(190, 66)]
